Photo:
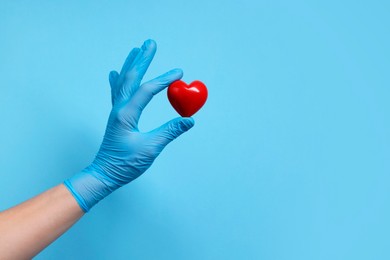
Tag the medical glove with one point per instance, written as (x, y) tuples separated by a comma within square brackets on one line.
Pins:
[(125, 152)]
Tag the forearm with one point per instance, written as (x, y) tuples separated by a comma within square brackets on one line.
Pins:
[(28, 228), (124, 155)]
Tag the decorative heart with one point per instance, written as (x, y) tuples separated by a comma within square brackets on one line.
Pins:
[(187, 99)]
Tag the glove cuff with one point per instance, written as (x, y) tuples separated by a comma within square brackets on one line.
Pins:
[(88, 187)]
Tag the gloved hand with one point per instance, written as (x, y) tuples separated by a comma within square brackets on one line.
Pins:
[(126, 153)]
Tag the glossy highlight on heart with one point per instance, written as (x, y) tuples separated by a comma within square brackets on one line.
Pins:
[(187, 99)]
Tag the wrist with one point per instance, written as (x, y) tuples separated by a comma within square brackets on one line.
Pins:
[(90, 186)]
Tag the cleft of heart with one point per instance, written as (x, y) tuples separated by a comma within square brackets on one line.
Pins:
[(185, 98)]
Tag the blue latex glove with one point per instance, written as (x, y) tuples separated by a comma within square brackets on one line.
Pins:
[(126, 153)]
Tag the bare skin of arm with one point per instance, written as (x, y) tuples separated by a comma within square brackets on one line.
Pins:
[(125, 154), (26, 229)]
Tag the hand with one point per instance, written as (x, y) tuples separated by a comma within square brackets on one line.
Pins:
[(126, 153)]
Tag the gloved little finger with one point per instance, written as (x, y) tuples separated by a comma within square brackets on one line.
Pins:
[(113, 78)]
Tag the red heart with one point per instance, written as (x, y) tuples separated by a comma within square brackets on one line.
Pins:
[(187, 99)]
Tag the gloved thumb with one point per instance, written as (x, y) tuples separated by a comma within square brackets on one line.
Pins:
[(173, 129)]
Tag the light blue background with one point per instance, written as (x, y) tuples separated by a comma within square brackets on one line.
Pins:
[(289, 158)]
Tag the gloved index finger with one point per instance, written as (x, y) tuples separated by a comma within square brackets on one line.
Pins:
[(147, 90)]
